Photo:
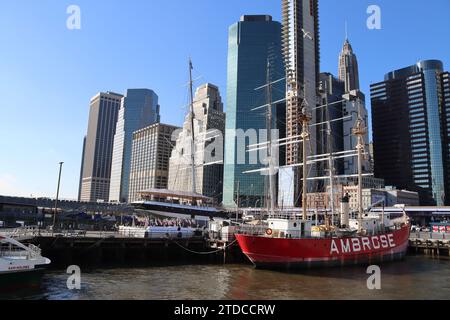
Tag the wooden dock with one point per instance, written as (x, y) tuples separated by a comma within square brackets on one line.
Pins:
[(431, 244)]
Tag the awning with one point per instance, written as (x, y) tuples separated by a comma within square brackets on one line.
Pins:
[(164, 193)]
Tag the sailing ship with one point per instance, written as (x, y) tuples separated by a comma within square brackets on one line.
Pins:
[(287, 240), (179, 204), (20, 266)]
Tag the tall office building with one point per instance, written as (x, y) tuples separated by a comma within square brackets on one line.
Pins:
[(98, 147), (252, 42), (445, 100), (209, 129), (344, 109), (410, 130), (332, 91), (355, 108), (81, 169), (342, 103), (138, 110), (348, 68), (151, 149), (302, 60)]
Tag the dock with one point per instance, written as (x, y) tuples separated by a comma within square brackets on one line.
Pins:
[(432, 244), (94, 248)]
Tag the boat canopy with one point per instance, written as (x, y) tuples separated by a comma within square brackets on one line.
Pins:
[(168, 194)]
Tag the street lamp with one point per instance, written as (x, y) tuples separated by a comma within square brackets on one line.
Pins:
[(57, 196)]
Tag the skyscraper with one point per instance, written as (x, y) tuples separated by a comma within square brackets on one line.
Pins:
[(348, 68), (150, 155), (343, 111), (98, 147), (80, 183), (138, 110), (332, 92), (302, 60), (209, 128), (445, 98), (252, 43), (410, 130)]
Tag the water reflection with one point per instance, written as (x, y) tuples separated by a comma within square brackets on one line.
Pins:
[(415, 278)]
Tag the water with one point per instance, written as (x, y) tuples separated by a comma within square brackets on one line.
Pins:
[(417, 277)]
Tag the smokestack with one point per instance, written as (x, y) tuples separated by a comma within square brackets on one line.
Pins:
[(345, 211)]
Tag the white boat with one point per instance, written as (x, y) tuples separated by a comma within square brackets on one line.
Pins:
[(20, 266)]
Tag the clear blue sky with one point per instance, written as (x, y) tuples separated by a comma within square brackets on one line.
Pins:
[(48, 73)]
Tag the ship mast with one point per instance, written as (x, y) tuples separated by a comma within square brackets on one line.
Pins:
[(192, 116), (360, 131), (305, 118), (330, 159), (270, 155)]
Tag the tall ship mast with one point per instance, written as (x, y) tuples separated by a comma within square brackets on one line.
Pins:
[(174, 204), (192, 117)]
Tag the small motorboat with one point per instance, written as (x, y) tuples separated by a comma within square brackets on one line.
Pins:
[(20, 266)]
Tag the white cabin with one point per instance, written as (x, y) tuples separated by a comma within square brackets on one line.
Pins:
[(288, 228)]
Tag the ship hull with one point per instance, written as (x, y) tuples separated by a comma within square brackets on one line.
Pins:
[(14, 281), (276, 253)]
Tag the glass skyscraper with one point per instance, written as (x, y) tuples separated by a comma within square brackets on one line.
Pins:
[(410, 122), (138, 110), (253, 42)]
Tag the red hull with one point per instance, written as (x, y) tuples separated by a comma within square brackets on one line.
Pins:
[(266, 252)]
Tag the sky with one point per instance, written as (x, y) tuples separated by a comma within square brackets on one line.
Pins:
[(48, 73)]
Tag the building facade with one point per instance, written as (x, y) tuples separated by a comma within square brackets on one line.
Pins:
[(253, 42), (151, 150), (445, 103), (372, 197), (302, 62), (348, 68), (410, 130), (80, 183), (209, 129), (341, 106), (139, 109), (98, 147)]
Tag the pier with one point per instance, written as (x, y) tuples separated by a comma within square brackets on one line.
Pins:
[(432, 244), (95, 248)]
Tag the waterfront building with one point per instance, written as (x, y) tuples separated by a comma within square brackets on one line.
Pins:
[(139, 109), (253, 42), (151, 150), (98, 147), (302, 62), (372, 197), (410, 130), (209, 129)]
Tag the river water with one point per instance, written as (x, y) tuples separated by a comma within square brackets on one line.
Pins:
[(417, 277)]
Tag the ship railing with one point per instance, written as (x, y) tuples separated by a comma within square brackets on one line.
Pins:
[(13, 251), (294, 234), (34, 251), (429, 236)]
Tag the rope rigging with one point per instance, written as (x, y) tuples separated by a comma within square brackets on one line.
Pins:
[(206, 253)]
